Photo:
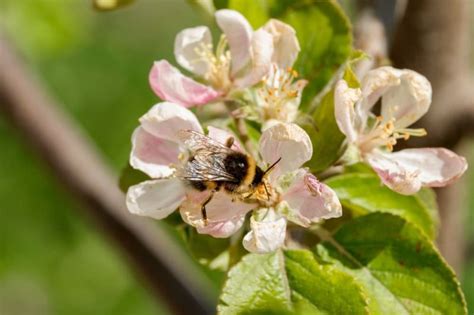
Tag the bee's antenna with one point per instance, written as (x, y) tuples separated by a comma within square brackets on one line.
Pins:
[(272, 166), (266, 190)]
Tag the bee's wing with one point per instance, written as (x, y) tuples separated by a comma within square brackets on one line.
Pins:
[(208, 156)]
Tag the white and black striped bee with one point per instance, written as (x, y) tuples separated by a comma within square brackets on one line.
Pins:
[(214, 166)]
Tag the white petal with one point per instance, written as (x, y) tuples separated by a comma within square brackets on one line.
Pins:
[(267, 235), (375, 83), (285, 43), (171, 85), (156, 198), (187, 45), (261, 60), (224, 216), (407, 170), (153, 155), (222, 136), (310, 200), (164, 120), (393, 174), (347, 118), (239, 35), (409, 100), (288, 142)]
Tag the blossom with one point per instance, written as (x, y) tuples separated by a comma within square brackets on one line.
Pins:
[(297, 195), (405, 97), (279, 95), (157, 151), (242, 57), (294, 193)]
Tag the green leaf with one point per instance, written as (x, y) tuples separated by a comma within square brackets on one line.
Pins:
[(325, 36), (130, 176), (289, 283), (325, 135), (257, 284), (399, 268), (363, 193), (107, 5)]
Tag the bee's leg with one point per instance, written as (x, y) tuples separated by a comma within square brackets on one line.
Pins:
[(229, 142), (203, 206)]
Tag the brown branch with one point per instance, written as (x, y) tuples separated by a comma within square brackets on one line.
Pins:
[(78, 167), (433, 39)]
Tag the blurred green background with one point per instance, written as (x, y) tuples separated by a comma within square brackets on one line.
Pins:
[(52, 259)]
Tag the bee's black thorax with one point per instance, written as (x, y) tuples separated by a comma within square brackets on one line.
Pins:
[(237, 165)]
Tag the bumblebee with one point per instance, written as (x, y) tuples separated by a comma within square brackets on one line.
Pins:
[(214, 166)]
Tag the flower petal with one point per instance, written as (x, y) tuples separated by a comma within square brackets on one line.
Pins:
[(288, 142), (262, 50), (155, 198), (374, 84), (171, 85), (221, 136), (407, 170), (187, 44), (393, 174), (165, 119), (224, 216), (409, 100), (153, 155), (285, 43), (310, 200), (266, 235), (347, 119), (239, 36)]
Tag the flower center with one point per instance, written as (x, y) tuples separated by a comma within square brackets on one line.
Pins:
[(384, 133), (277, 93), (218, 62)]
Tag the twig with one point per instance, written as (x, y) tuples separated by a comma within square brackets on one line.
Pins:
[(79, 168)]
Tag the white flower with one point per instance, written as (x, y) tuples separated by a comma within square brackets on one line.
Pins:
[(155, 151), (241, 58), (300, 197), (280, 95), (405, 97)]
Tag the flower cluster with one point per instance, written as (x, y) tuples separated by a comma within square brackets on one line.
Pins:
[(268, 183)]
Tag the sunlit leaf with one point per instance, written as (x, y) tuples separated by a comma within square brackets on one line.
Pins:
[(289, 283), (363, 193), (398, 267)]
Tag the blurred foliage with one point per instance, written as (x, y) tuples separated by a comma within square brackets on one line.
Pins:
[(53, 261)]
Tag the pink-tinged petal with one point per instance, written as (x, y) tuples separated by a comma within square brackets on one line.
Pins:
[(222, 136), (285, 43), (189, 45), (375, 83), (224, 216), (288, 142), (239, 36), (347, 119), (153, 155), (409, 100), (266, 235), (393, 174), (310, 200), (261, 60), (432, 167), (171, 85), (165, 119), (156, 198)]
